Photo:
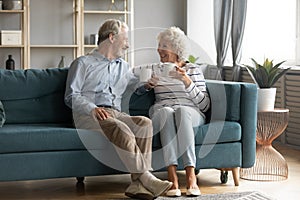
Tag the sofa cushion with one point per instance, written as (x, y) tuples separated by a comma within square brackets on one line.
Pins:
[(34, 96), (140, 104), (2, 114), (16, 138), (212, 133), (224, 108), (218, 132)]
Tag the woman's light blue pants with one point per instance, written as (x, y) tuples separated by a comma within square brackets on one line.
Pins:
[(176, 133)]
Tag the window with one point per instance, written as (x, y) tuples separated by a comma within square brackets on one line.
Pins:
[(270, 31)]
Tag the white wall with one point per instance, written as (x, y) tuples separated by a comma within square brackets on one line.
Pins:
[(194, 17), (150, 17), (200, 29)]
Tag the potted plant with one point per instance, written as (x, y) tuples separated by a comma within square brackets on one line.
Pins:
[(192, 59), (203, 66), (265, 76)]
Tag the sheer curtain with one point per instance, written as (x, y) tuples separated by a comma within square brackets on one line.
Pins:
[(222, 22), (237, 31), (229, 21)]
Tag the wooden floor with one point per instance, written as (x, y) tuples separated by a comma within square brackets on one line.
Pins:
[(110, 187)]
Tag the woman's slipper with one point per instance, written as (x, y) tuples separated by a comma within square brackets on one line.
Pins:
[(174, 193)]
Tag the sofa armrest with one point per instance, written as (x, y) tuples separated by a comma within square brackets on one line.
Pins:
[(236, 101), (248, 123)]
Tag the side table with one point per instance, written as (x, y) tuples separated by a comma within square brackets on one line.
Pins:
[(270, 164)]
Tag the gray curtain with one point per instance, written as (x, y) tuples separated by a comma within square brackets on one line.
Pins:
[(237, 31), (222, 22)]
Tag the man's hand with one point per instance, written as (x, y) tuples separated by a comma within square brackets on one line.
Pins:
[(152, 83), (101, 113)]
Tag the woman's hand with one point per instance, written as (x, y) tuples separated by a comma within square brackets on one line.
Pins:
[(180, 74), (152, 83)]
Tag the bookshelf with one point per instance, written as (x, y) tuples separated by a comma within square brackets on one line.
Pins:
[(51, 29)]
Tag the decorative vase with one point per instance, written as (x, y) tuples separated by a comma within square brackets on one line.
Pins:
[(61, 63), (12, 5), (266, 99), (10, 63)]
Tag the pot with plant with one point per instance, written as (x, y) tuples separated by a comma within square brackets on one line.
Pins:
[(265, 76)]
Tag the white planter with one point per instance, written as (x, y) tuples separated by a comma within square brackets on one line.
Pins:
[(266, 99)]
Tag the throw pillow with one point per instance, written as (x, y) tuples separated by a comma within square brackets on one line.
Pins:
[(2, 114)]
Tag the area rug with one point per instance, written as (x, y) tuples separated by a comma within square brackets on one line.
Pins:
[(224, 196)]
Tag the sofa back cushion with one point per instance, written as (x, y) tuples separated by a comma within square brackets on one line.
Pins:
[(140, 104), (224, 108), (221, 108), (34, 96)]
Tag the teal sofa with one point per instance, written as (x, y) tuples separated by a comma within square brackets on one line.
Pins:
[(38, 139)]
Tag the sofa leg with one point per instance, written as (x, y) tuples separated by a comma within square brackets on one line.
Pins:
[(235, 174), (80, 188), (224, 176), (80, 179)]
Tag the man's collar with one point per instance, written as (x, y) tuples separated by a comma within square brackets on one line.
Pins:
[(101, 57)]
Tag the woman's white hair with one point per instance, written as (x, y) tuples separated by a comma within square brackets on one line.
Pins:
[(178, 41)]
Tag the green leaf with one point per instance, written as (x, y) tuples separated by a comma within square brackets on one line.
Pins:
[(255, 63), (277, 76), (277, 65), (192, 59), (262, 76), (251, 71), (268, 65)]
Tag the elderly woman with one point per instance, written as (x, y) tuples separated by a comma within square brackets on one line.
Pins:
[(181, 100)]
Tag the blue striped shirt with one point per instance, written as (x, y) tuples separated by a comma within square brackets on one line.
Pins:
[(94, 80)]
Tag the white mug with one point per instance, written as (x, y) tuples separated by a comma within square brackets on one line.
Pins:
[(166, 68), (145, 74)]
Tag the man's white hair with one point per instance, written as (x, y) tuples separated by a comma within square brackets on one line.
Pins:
[(178, 41)]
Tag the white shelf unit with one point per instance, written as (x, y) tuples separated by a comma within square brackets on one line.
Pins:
[(51, 29), (15, 20)]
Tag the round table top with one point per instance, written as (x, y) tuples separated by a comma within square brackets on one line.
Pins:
[(276, 110)]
